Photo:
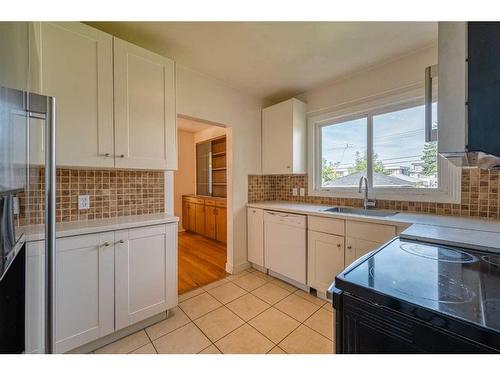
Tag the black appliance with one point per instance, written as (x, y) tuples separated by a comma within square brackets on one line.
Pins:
[(12, 306), (417, 297)]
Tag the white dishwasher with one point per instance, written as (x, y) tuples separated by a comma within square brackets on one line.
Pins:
[(285, 246)]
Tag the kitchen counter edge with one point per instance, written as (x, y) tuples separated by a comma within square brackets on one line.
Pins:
[(77, 228)]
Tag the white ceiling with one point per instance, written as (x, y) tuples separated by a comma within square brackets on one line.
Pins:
[(191, 126), (276, 60)]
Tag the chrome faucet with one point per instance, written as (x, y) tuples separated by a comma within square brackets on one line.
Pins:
[(367, 203)]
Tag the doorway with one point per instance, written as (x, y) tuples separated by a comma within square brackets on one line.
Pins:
[(200, 201)]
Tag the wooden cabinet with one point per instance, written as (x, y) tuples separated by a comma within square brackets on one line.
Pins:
[(199, 226), (205, 216), (144, 104), (221, 224), (284, 138), (255, 236), (210, 222), (325, 259), (84, 290), (115, 101), (142, 282), (191, 225), (76, 66)]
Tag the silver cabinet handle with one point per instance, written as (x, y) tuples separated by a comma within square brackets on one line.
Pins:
[(120, 241), (105, 244)]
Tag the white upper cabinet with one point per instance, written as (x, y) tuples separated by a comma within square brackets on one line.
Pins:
[(76, 63), (284, 138), (115, 101), (145, 119)]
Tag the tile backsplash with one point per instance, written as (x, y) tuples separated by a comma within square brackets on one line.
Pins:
[(112, 193), (480, 195)]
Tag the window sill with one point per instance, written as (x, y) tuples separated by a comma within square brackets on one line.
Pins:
[(408, 195)]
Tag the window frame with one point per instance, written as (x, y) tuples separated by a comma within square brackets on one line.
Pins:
[(449, 176)]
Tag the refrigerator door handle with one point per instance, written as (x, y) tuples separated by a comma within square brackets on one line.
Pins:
[(50, 224)]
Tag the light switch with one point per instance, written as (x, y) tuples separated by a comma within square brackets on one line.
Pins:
[(294, 192), (302, 192), (83, 202)]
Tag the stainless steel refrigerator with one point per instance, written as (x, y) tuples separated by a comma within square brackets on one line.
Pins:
[(24, 116)]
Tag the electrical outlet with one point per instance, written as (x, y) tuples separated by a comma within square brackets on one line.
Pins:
[(83, 202), (294, 192), (302, 192)]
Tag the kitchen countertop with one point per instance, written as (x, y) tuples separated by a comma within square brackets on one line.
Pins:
[(476, 233), (75, 228), (205, 197)]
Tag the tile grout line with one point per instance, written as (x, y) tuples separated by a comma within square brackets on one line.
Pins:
[(149, 337), (318, 307)]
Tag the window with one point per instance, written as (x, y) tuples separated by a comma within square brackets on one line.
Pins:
[(386, 145), (401, 157), (342, 145)]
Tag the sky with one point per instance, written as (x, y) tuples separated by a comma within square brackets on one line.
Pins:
[(398, 138)]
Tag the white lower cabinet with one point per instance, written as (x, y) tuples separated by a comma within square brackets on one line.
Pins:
[(102, 284), (140, 294), (84, 289), (356, 247), (35, 289), (255, 224), (325, 253)]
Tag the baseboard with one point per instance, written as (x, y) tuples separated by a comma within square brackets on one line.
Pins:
[(258, 268), (232, 269), (99, 343), (289, 281)]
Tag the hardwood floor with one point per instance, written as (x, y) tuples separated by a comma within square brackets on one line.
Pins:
[(201, 261)]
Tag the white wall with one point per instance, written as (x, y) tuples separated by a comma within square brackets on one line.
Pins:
[(185, 175), (390, 78), (207, 99)]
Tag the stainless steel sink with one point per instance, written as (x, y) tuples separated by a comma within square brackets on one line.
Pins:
[(361, 211)]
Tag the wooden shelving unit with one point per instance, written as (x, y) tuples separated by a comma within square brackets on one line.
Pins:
[(219, 167)]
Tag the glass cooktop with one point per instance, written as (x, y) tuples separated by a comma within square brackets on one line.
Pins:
[(458, 282)]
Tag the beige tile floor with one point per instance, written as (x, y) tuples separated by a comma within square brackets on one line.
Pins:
[(245, 313)]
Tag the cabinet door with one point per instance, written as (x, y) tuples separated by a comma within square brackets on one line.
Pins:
[(356, 248), (84, 289), (277, 138), (185, 215), (325, 254), (255, 224), (210, 227), (221, 224), (35, 297), (145, 127), (200, 218), (76, 63), (191, 217), (140, 274)]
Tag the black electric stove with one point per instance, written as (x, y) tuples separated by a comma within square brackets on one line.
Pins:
[(419, 297)]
